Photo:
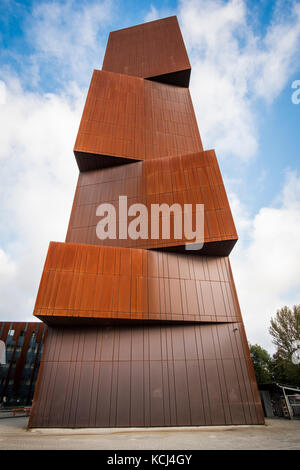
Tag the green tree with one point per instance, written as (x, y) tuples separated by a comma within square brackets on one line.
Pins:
[(285, 330), (262, 364)]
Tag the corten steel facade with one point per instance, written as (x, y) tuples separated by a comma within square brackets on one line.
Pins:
[(23, 347), (187, 179), (143, 332), (127, 119), (153, 50)]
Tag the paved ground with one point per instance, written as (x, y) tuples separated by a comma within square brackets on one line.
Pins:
[(276, 434)]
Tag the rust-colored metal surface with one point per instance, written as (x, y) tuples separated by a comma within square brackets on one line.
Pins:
[(129, 119), (151, 50), (84, 282), (146, 376), (189, 179), (143, 332)]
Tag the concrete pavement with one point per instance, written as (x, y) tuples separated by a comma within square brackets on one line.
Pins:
[(275, 434)]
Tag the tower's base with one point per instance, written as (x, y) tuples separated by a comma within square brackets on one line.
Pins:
[(168, 375)]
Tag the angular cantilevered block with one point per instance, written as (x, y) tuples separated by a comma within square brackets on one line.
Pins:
[(130, 119), (85, 284), (189, 179), (153, 50)]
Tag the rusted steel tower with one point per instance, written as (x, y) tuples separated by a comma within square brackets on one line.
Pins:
[(141, 331)]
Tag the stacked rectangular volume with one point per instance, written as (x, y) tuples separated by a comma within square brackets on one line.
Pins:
[(87, 283), (147, 51), (189, 179), (133, 119), (179, 375)]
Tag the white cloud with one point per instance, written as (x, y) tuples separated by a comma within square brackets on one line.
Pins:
[(156, 13), (38, 178), (267, 268), (2, 93), (68, 37), (38, 130), (279, 56), (233, 67), (153, 14), (7, 268)]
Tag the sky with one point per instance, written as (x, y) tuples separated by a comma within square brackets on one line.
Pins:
[(245, 58)]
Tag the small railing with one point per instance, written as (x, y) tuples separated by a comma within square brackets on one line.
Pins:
[(24, 410)]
